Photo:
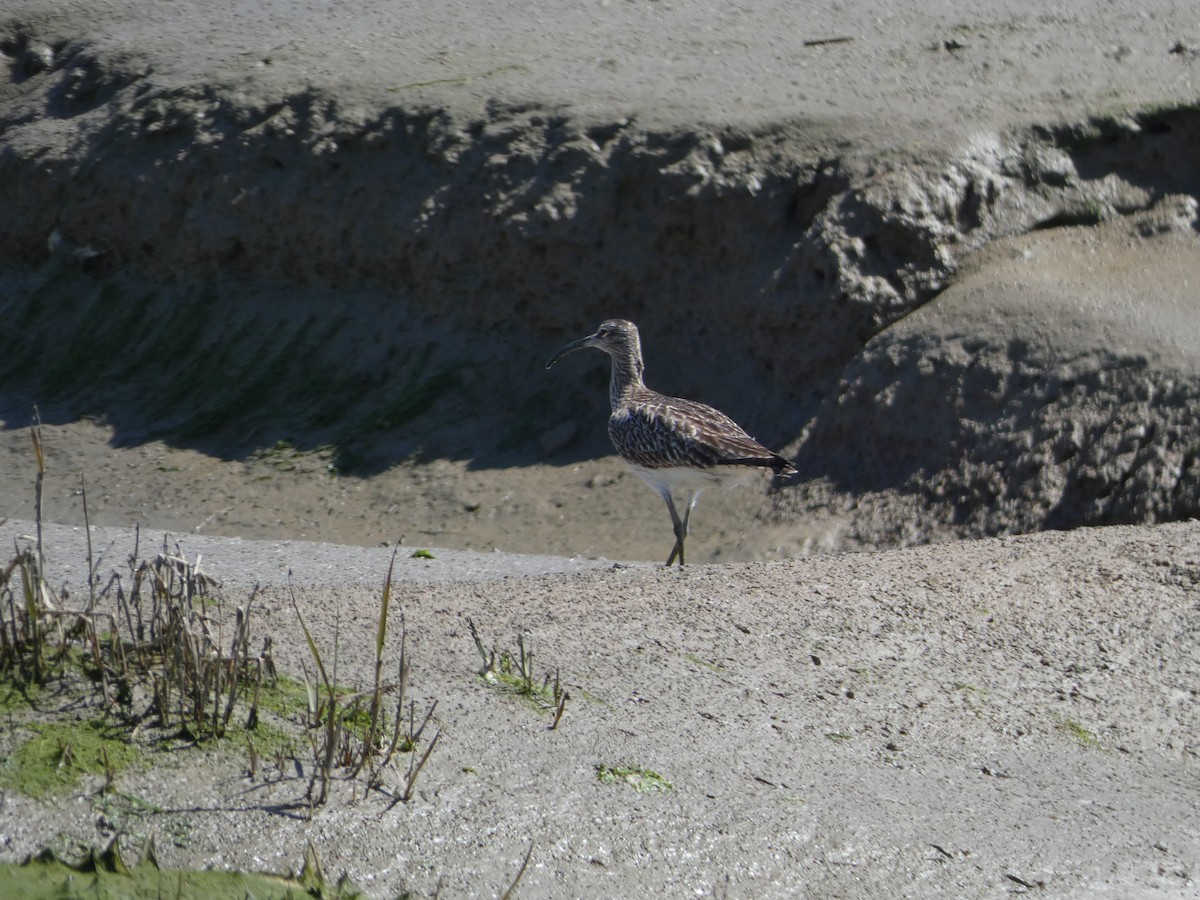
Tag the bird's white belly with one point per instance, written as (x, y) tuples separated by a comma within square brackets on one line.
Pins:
[(686, 478)]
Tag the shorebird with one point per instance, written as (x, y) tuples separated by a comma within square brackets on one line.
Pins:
[(678, 447)]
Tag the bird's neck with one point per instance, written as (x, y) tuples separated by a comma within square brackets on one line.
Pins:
[(627, 370)]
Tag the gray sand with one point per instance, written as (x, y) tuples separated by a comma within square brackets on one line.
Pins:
[(966, 719)]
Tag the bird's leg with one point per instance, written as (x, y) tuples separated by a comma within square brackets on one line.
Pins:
[(680, 530), (693, 496)]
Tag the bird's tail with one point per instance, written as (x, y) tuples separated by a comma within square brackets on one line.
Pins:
[(775, 462)]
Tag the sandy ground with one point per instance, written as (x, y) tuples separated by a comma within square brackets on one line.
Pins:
[(912, 71), (969, 719)]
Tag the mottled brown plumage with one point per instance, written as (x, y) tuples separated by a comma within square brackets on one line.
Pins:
[(672, 444)]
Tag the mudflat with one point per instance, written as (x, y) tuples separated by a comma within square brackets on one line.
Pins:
[(283, 280), (963, 719)]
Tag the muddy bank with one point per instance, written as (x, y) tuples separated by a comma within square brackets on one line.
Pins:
[(318, 247), (870, 724), (1052, 385)]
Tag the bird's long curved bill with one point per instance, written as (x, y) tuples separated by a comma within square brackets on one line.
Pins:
[(569, 348)]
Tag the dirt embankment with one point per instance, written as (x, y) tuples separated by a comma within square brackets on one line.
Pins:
[(241, 263)]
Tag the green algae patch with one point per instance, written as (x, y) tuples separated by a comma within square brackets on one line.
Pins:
[(704, 663), (59, 754), (1082, 735), (105, 876), (641, 780)]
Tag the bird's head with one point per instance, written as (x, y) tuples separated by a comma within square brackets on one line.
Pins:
[(616, 337)]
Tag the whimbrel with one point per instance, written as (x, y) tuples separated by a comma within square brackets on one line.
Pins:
[(678, 447)]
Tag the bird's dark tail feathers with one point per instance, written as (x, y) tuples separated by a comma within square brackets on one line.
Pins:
[(774, 462)]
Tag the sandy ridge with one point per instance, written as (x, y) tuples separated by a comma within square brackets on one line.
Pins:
[(938, 720)]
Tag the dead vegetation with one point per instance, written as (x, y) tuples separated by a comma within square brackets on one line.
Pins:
[(155, 657), (514, 674), (348, 732)]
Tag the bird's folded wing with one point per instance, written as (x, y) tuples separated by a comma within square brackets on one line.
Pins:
[(660, 431)]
